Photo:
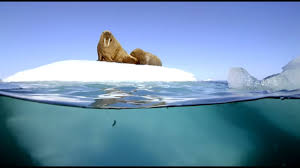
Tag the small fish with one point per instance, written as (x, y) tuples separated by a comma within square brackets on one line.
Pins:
[(115, 122)]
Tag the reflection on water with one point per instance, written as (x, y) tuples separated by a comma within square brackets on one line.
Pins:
[(117, 98), (261, 132), (124, 103)]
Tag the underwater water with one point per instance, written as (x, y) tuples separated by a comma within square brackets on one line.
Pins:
[(147, 124)]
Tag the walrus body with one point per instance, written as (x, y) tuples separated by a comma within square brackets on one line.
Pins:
[(145, 58), (109, 49)]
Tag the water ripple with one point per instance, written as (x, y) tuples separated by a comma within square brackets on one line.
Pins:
[(135, 95)]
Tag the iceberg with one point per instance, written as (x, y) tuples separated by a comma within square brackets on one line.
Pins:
[(99, 71), (288, 79), (239, 78)]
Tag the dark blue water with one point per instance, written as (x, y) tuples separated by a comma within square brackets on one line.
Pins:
[(191, 124)]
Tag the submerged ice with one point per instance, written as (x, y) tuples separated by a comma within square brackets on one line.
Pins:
[(288, 79)]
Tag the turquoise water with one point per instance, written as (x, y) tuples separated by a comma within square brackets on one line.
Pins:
[(221, 130)]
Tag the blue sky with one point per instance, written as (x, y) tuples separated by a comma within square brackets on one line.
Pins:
[(205, 38)]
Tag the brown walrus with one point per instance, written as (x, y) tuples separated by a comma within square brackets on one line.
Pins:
[(145, 58), (109, 49)]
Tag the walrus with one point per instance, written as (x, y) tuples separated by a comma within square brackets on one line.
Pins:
[(145, 58), (109, 49)]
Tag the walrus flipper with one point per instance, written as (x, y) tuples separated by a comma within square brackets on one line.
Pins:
[(130, 59)]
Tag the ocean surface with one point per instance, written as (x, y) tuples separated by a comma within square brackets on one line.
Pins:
[(203, 123)]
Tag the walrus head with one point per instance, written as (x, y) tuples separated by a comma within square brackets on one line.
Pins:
[(107, 46), (136, 52), (106, 39)]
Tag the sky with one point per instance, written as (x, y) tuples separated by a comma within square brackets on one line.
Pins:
[(204, 38)]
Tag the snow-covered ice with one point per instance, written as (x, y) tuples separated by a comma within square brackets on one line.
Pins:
[(99, 71)]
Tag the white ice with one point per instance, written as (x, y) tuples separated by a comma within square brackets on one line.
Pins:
[(288, 79), (99, 71), (239, 78)]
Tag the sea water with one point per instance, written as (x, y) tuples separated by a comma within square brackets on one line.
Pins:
[(147, 124)]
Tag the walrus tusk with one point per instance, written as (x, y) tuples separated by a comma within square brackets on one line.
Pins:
[(104, 42), (108, 42)]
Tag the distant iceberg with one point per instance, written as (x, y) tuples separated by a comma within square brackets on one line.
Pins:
[(288, 79), (239, 78), (99, 71)]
